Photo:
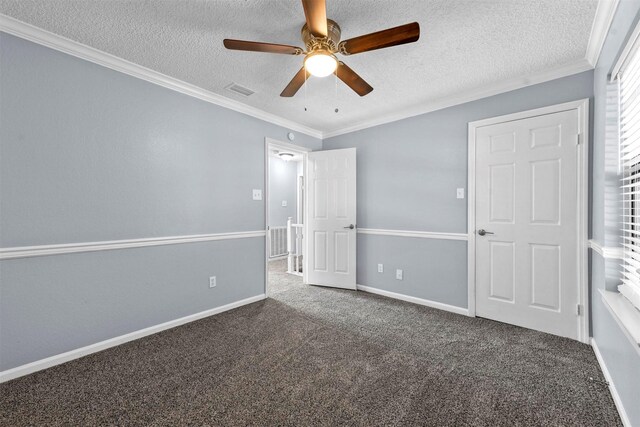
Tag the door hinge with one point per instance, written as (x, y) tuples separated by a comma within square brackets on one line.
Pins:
[(578, 138), (578, 309)]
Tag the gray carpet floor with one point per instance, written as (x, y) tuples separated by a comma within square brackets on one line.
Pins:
[(319, 356)]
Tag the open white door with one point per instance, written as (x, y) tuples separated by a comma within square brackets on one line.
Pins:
[(330, 248)]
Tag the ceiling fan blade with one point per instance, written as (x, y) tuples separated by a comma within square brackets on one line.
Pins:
[(295, 83), (407, 33), (261, 47), (351, 79), (316, 13)]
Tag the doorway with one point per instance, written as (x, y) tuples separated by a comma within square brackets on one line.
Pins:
[(284, 214), (310, 213), (527, 219)]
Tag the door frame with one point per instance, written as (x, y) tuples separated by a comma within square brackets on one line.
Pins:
[(274, 144), (582, 106)]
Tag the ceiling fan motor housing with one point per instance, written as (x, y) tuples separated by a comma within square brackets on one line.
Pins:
[(329, 43)]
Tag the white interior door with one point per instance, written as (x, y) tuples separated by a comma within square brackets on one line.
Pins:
[(330, 254), (527, 204)]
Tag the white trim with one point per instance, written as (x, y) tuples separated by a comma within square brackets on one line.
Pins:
[(612, 387), (576, 67), (112, 342), (286, 146), (582, 226), (45, 38), (601, 24), (628, 47), (582, 221), (70, 248), (418, 234), (277, 258), (551, 109), (415, 300), (607, 252), (471, 220), (269, 144), (625, 314)]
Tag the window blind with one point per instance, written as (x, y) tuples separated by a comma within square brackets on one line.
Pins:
[(629, 98)]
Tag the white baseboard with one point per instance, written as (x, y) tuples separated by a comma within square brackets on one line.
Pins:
[(58, 359), (415, 300), (612, 386)]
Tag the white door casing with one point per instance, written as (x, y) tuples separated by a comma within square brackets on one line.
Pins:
[(528, 182), (330, 240)]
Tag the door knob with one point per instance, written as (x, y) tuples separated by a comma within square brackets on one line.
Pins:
[(483, 232), (350, 226)]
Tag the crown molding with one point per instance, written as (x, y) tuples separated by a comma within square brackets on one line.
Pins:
[(37, 35), (575, 67), (602, 21), (601, 24)]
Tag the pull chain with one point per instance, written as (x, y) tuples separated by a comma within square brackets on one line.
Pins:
[(336, 89), (305, 88)]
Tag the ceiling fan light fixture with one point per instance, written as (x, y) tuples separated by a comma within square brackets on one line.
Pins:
[(320, 63), (322, 40)]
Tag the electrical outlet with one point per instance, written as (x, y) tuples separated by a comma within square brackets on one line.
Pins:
[(460, 193), (284, 203), (399, 274), (257, 194), (380, 268), (212, 282)]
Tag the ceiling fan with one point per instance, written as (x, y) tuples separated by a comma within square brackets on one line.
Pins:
[(321, 37)]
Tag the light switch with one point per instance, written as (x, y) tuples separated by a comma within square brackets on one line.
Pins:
[(284, 203), (460, 193), (257, 194)]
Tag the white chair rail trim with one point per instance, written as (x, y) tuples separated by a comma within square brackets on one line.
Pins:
[(418, 234), (606, 252), (70, 248)]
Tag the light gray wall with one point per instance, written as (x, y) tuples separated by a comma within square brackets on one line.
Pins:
[(89, 154), (282, 186), (408, 172), (621, 359), (54, 304), (431, 268)]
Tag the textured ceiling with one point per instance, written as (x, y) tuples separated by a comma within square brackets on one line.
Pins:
[(464, 45)]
